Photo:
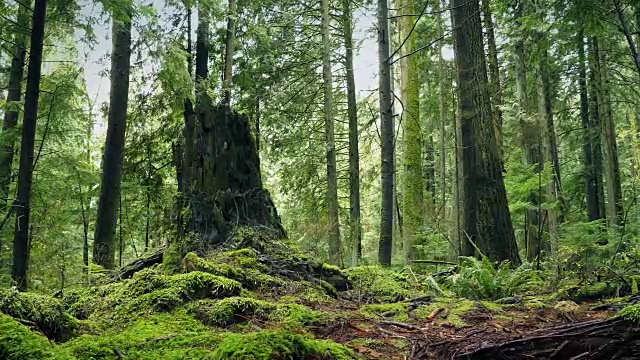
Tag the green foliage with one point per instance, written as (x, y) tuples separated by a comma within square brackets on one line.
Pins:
[(378, 284), (47, 313), (483, 280), (630, 313), (280, 344)]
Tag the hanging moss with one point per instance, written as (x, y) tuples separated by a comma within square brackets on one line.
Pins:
[(46, 312), (18, 342), (266, 345), (378, 285)]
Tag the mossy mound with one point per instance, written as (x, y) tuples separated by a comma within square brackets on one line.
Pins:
[(596, 291), (160, 336), (18, 342), (47, 313), (630, 313), (266, 345), (236, 310), (374, 284)]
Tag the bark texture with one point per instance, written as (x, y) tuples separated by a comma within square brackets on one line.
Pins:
[(333, 224), (104, 236), (387, 137), (487, 221), (21, 238)]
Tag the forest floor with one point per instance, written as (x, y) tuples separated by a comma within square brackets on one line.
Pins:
[(271, 302)]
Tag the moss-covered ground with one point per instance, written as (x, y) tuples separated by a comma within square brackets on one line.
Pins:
[(243, 304)]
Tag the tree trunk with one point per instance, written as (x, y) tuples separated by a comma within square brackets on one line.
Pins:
[(612, 166), (202, 45), (332, 175), (487, 221), (595, 132), (104, 237), (554, 188), (530, 132), (442, 77), (189, 42), (626, 29), (14, 94), (413, 182), (229, 50), (588, 145), (494, 71), (387, 137), (21, 244), (355, 225)]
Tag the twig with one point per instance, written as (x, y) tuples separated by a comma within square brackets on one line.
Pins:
[(401, 325)]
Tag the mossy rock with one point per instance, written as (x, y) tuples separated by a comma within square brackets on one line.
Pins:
[(374, 284), (46, 312), (234, 310), (280, 344), (630, 313), (160, 336), (18, 342)]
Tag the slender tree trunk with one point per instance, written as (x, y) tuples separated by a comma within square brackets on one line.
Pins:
[(332, 175), (202, 46), (14, 94), (355, 225), (487, 221), (612, 166), (104, 237), (442, 77), (413, 182), (85, 228), (627, 33), (595, 128), (494, 71), (189, 41), (21, 243), (387, 136), (120, 233), (530, 132), (148, 202), (554, 188), (588, 145), (229, 51)]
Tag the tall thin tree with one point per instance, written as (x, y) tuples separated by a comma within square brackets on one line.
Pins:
[(104, 236), (21, 243), (332, 174), (387, 136)]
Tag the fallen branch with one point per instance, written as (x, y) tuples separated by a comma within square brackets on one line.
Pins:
[(401, 325)]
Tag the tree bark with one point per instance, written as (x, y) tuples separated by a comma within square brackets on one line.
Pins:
[(387, 137), (413, 182), (332, 175), (104, 237), (531, 140), (588, 145), (487, 221), (494, 71), (14, 94), (612, 166), (202, 45), (355, 225), (595, 127), (229, 51), (21, 243)]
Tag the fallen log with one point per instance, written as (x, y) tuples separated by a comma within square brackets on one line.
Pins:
[(141, 263)]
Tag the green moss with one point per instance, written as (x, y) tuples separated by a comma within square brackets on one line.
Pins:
[(46, 312), (630, 313), (595, 291), (455, 309), (17, 342), (395, 311), (160, 336), (330, 268), (265, 345), (377, 284), (234, 310)]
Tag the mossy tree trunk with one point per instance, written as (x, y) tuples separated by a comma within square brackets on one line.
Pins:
[(413, 182), (494, 70), (487, 221), (595, 130)]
